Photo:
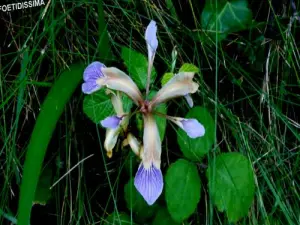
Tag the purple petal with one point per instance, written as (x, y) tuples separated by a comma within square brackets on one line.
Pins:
[(111, 122), (193, 128), (90, 87), (93, 71), (151, 39), (149, 183), (90, 76)]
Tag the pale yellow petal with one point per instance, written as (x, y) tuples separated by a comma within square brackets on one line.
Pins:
[(116, 101), (111, 138), (180, 85), (135, 145), (117, 80), (152, 144)]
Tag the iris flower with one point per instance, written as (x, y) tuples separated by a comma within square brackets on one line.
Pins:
[(148, 179)]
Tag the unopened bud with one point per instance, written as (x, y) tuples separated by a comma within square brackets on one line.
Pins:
[(134, 144)]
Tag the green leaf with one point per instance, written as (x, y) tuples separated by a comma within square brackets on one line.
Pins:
[(160, 121), (187, 67), (166, 77), (51, 110), (163, 217), (98, 106), (136, 202), (225, 18), (182, 189), (232, 186), (43, 192), (196, 148), (271, 220), (137, 65), (131, 161), (139, 123), (118, 219)]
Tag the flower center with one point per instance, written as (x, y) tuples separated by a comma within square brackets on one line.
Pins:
[(146, 107)]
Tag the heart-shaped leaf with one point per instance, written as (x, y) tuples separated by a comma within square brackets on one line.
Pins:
[(225, 17), (98, 106), (182, 189), (231, 184)]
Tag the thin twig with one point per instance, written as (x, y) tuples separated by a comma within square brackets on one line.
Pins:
[(70, 170)]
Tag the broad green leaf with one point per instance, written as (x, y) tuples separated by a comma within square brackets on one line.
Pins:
[(187, 67), (226, 17), (48, 117), (136, 202), (98, 106), (196, 148), (163, 217), (231, 184), (118, 219), (137, 65), (166, 77), (43, 192), (182, 189)]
